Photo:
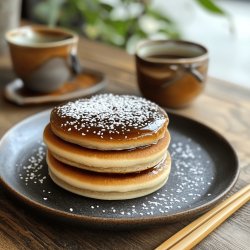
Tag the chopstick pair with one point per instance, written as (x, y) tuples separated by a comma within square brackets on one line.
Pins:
[(196, 231)]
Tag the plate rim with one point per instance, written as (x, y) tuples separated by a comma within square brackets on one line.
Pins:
[(146, 220)]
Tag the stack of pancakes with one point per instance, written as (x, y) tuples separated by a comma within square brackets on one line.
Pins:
[(109, 147)]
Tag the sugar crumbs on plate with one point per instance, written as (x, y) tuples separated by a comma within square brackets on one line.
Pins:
[(189, 183), (32, 172)]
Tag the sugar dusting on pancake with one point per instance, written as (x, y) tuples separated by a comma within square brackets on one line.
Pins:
[(110, 116)]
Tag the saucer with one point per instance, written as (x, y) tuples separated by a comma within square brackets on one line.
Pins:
[(84, 84)]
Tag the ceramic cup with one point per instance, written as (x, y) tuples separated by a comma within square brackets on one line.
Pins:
[(171, 72), (44, 58)]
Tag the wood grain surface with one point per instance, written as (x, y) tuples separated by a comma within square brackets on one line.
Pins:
[(223, 106)]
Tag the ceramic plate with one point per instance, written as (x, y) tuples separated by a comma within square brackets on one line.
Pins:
[(204, 169)]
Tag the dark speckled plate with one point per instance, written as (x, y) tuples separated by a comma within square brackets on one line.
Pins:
[(204, 169)]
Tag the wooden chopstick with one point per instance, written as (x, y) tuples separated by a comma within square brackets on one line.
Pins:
[(192, 234)]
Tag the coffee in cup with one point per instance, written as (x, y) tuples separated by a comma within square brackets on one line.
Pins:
[(171, 72)]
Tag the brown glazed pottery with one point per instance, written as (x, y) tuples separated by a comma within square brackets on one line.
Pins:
[(171, 72), (43, 57)]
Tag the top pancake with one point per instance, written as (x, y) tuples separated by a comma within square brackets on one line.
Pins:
[(109, 122)]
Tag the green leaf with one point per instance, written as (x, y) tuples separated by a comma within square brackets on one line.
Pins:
[(104, 32), (120, 27), (157, 15), (106, 7), (170, 33), (211, 6)]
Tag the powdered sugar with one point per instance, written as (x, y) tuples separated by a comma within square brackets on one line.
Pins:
[(190, 180), (110, 114)]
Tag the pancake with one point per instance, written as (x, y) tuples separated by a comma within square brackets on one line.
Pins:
[(109, 122), (109, 186), (124, 161)]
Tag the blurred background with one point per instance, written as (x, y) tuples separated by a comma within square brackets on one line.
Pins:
[(222, 26)]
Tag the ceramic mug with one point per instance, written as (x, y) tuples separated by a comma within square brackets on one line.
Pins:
[(44, 58), (171, 72)]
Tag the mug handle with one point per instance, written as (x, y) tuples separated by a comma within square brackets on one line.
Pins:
[(179, 72), (192, 69), (75, 63)]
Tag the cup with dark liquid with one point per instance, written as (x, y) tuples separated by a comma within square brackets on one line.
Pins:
[(171, 73), (44, 58)]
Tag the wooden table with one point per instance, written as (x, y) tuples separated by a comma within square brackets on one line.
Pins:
[(223, 106)]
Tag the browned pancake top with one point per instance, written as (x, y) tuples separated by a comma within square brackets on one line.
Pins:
[(109, 117)]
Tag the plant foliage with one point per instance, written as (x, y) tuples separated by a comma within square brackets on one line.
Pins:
[(119, 22)]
